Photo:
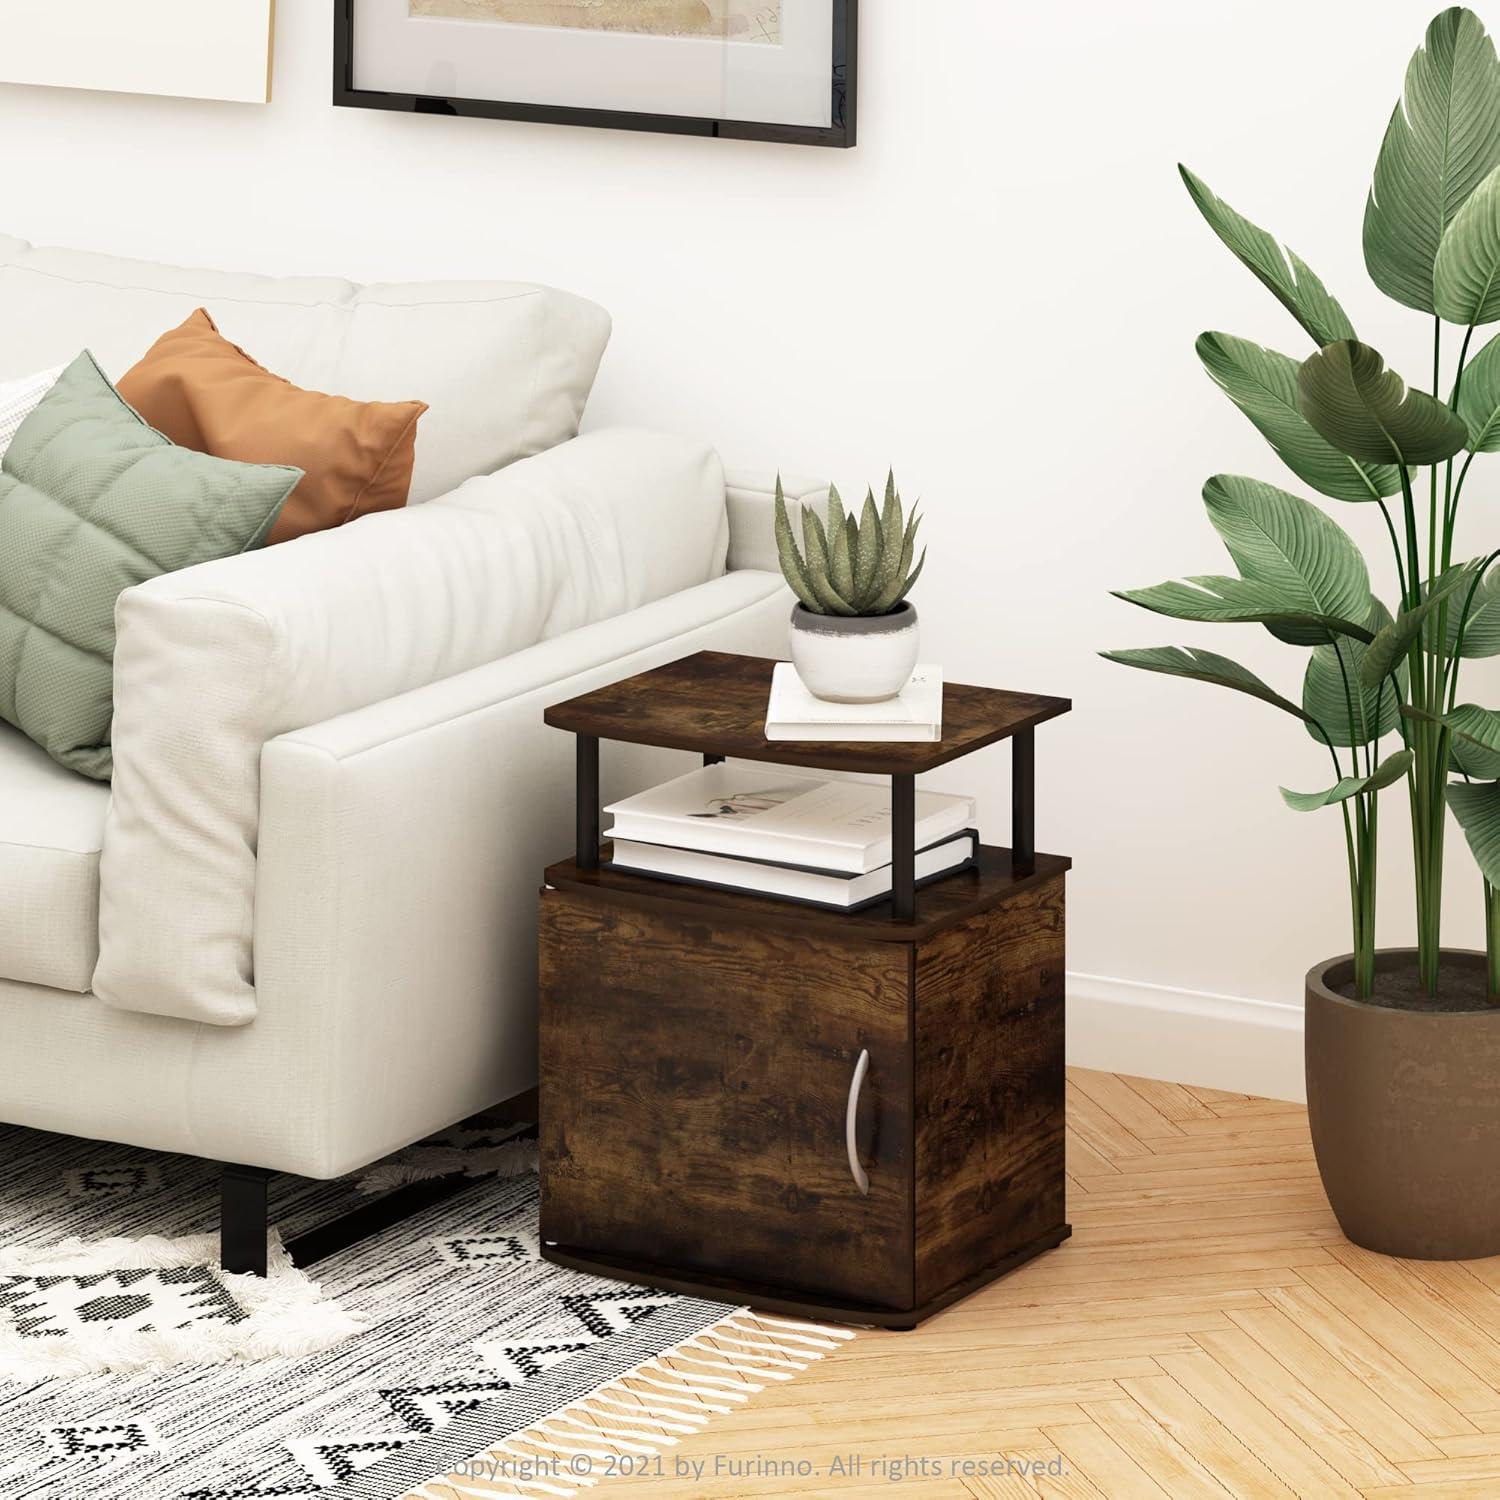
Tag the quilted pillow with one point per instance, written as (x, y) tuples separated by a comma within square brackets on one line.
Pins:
[(92, 502)]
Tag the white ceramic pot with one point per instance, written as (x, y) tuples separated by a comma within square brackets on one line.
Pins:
[(855, 658)]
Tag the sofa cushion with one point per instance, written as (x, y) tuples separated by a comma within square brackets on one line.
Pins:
[(93, 502), (505, 367), (51, 831), (208, 394)]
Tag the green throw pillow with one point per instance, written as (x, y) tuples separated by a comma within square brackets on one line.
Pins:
[(92, 502)]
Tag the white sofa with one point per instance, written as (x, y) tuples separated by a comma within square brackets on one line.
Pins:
[(297, 932)]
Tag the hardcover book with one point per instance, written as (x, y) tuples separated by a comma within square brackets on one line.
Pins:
[(825, 888), (760, 812), (914, 714)]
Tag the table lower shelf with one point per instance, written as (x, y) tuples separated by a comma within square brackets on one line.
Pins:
[(941, 904), (783, 1301)]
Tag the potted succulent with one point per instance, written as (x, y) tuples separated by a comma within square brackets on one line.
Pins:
[(1402, 1045), (854, 632)]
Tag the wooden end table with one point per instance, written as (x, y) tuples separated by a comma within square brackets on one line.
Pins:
[(856, 1116)]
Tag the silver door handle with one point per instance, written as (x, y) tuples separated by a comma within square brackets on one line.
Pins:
[(851, 1144)]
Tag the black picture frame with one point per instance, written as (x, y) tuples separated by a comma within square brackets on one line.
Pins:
[(843, 73)]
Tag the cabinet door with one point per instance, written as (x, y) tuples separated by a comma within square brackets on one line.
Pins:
[(696, 1072)]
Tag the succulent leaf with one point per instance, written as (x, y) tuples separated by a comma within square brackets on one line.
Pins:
[(867, 555), (916, 573), (891, 526), (815, 547), (840, 562), (792, 567)]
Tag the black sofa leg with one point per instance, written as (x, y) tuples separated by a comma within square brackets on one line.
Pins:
[(243, 1220)]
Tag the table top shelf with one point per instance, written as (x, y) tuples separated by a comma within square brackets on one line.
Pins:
[(714, 703)]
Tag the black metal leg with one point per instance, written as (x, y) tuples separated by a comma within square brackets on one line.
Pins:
[(904, 847), (1023, 803), (243, 1222), (587, 855)]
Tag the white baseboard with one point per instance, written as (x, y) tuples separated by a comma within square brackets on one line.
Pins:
[(1181, 1036)]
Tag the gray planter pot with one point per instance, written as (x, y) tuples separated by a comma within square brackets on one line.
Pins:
[(855, 658), (1405, 1115)]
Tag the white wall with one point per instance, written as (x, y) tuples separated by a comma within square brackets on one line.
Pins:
[(997, 292)]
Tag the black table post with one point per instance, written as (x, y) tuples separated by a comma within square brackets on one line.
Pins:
[(587, 852), (904, 847), (1023, 803)]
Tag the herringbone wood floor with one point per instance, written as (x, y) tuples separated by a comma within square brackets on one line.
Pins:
[(1207, 1332)]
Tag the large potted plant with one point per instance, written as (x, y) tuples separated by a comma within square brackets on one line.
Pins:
[(1402, 1045)]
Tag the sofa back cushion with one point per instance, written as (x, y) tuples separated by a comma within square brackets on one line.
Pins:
[(504, 367), (209, 395), (93, 502)]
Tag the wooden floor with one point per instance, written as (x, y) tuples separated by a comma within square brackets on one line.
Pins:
[(1207, 1331)]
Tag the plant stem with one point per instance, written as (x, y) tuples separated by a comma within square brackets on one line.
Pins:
[(1364, 953), (1492, 940), (1390, 527)]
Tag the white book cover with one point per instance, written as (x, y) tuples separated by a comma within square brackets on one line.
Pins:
[(841, 892), (915, 714), (766, 812)]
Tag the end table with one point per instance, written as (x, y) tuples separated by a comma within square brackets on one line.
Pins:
[(855, 1117)]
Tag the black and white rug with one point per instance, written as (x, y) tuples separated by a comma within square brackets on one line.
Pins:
[(396, 1361)]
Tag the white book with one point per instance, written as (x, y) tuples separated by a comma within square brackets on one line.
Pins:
[(768, 813), (914, 714), (842, 892)]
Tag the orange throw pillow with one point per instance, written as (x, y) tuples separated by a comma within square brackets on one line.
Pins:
[(203, 392)]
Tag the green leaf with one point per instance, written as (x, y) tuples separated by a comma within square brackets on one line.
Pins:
[(1474, 747), (1203, 666), (1287, 542), (1481, 628), (815, 550), (1466, 279), (1393, 640), (840, 562), (911, 581), (792, 568), (1263, 384), (1325, 697), (895, 587), (1479, 399), (1367, 411), (892, 531), (867, 555), (1294, 285), (1442, 141), (1389, 771), (835, 511), (1477, 808), (1222, 601)]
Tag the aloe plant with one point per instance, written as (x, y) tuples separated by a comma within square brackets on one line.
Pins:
[(849, 567), (1354, 431)]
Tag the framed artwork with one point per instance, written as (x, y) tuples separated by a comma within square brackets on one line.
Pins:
[(762, 70), (185, 48)]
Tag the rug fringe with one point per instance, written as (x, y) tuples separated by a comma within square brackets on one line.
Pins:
[(285, 1312), (619, 1419)]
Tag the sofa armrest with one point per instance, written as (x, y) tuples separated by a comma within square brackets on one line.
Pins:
[(214, 661), (401, 847), (751, 502)]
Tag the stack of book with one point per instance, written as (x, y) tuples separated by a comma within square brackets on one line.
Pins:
[(750, 827), (915, 714)]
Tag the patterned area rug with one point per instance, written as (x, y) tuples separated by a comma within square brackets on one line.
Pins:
[(447, 1337)]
